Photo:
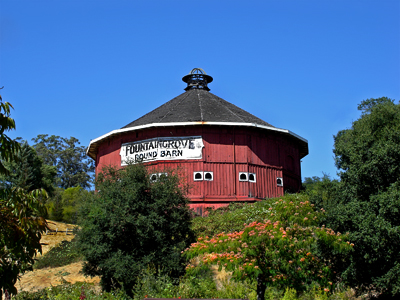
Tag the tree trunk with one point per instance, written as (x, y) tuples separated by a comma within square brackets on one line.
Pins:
[(261, 286)]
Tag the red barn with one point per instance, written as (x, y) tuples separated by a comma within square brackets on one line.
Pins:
[(226, 153)]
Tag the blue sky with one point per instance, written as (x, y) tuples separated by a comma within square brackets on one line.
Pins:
[(84, 68)]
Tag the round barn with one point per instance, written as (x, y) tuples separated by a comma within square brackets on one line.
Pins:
[(226, 153)]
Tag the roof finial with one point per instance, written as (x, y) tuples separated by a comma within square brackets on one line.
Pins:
[(197, 79)]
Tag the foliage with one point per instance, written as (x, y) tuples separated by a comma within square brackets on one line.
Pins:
[(55, 207), (27, 171), (63, 254), (21, 226), (74, 168), (65, 204), (368, 154), (21, 223), (69, 291), (8, 147), (368, 202), (131, 223), (152, 284), (374, 228), (228, 219), (286, 249), (322, 191)]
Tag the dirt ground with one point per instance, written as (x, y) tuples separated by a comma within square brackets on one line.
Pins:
[(39, 279), (47, 277)]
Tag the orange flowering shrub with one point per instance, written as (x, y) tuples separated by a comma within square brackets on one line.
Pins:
[(283, 250)]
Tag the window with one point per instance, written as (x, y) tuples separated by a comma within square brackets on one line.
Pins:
[(156, 176), (243, 176), (208, 176), (198, 176), (252, 177), (279, 181)]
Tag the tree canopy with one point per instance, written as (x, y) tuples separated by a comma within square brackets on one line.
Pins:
[(73, 166), (367, 201), (8, 146), (28, 171), (132, 223), (368, 154), (21, 221)]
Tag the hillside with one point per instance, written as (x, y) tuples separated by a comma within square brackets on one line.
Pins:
[(39, 279)]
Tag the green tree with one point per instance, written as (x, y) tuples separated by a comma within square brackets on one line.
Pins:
[(28, 171), (65, 204), (74, 168), (368, 154), (368, 157), (323, 191), (55, 206), (286, 249), (8, 147), (131, 223), (21, 223)]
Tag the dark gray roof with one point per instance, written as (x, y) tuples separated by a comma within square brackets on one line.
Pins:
[(197, 105)]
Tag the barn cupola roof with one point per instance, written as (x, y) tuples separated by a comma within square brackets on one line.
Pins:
[(197, 79)]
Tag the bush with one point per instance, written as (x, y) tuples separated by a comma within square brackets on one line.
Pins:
[(282, 247), (63, 254), (132, 223), (69, 291)]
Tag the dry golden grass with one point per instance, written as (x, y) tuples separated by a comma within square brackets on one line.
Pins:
[(52, 239), (42, 278)]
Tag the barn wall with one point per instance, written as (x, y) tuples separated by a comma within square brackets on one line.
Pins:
[(227, 151)]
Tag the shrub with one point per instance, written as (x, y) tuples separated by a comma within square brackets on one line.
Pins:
[(63, 254), (131, 223), (286, 249), (68, 291)]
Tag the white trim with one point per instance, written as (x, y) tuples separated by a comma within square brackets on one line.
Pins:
[(117, 131)]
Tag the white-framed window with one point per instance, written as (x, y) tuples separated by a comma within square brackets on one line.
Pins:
[(279, 181), (209, 176), (198, 175), (243, 176), (156, 176), (162, 174), (153, 177), (252, 177)]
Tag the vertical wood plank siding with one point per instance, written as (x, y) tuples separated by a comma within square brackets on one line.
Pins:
[(227, 151)]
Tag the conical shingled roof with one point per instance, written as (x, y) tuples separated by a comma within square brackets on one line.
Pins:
[(197, 105)]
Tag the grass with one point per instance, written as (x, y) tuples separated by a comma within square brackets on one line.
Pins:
[(63, 254), (153, 286)]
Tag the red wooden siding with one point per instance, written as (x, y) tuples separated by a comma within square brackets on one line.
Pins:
[(227, 151)]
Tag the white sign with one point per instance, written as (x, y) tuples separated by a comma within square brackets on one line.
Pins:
[(163, 148)]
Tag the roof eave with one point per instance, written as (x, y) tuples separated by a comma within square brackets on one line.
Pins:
[(93, 145)]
